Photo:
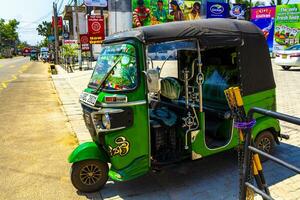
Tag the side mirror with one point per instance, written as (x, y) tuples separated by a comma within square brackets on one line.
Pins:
[(153, 80)]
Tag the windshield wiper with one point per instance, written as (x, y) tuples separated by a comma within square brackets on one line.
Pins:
[(106, 76)]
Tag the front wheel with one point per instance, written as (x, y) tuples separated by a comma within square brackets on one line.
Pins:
[(265, 142), (89, 175), (286, 67)]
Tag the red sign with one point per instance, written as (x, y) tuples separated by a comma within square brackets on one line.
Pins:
[(96, 28), (59, 22), (85, 42)]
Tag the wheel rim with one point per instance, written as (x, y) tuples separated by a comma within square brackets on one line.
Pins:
[(265, 145), (90, 174)]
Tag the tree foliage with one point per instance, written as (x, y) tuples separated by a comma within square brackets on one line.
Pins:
[(44, 29), (279, 2), (8, 32)]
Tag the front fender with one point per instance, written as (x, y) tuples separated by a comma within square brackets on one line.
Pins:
[(87, 151)]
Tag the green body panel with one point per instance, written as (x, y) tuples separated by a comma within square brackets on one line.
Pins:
[(134, 170), (136, 161), (266, 99), (88, 151)]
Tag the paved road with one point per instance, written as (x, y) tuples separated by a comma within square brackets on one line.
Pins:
[(215, 177), (34, 133)]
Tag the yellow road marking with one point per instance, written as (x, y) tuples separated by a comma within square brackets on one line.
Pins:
[(4, 85)]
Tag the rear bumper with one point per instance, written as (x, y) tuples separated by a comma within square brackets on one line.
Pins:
[(293, 62)]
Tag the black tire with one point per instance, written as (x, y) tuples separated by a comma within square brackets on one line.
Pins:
[(89, 175), (265, 141), (286, 67)]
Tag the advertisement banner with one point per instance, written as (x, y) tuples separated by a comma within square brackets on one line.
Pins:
[(85, 42), (94, 39), (264, 18), (96, 26), (148, 12), (287, 26), (96, 3), (217, 10), (59, 22), (238, 11)]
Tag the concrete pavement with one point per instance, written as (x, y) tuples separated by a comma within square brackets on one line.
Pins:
[(212, 178), (36, 138)]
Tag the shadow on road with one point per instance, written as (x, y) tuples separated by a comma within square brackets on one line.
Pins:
[(215, 177)]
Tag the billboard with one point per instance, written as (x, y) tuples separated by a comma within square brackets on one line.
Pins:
[(287, 26), (264, 18), (217, 10), (238, 11), (59, 22), (149, 12)]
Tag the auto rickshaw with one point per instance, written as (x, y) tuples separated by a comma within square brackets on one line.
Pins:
[(33, 55), (156, 97)]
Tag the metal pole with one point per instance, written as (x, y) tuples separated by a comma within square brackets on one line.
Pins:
[(78, 35), (55, 32)]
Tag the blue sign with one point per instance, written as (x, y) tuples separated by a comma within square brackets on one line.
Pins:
[(51, 38), (217, 10), (238, 11)]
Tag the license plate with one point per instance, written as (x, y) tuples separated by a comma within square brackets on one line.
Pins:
[(284, 56), (88, 98)]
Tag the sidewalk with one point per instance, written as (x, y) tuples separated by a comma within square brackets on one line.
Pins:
[(69, 86)]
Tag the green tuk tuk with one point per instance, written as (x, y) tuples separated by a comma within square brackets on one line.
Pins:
[(156, 97), (33, 55)]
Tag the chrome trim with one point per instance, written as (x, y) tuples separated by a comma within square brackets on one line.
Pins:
[(116, 105), (87, 105), (114, 129)]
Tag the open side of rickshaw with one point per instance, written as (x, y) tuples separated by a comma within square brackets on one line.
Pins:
[(156, 97)]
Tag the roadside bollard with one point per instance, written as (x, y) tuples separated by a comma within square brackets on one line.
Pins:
[(53, 69)]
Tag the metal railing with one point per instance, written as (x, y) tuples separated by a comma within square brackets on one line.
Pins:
[(249, 148)]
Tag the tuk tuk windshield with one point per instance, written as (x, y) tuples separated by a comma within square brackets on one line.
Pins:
[(115, 68)]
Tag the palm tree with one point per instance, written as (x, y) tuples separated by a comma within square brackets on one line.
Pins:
[(279, 2)]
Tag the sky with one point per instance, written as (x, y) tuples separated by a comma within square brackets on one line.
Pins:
[(30, 13)]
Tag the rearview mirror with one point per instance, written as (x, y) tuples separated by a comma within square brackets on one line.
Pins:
[(153, 80)]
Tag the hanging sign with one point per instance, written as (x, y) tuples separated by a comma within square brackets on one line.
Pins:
[(96, 28), (96, 3), (85, 42)]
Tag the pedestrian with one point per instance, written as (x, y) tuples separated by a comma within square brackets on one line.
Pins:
[(160, 15), (195, 13), (176, 11), (141, 14)]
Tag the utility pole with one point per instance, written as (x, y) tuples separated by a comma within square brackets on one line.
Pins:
[(55, 32), (78, 35)]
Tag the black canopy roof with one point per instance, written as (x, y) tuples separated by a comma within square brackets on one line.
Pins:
[(254, 58), (188, 29)]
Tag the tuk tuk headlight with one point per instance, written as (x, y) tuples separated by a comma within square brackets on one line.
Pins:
[(106, 121)]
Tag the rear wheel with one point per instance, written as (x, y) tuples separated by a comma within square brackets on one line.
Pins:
[(89, 175), (265, 142), (286, 67)]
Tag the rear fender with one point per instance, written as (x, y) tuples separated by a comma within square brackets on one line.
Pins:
[(88, 151), (265, 123)]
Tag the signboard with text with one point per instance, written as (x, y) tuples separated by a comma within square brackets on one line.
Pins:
[(96, 25), (85, 42), (287, 26), (70, 41), (264, 18), (217, 10)]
